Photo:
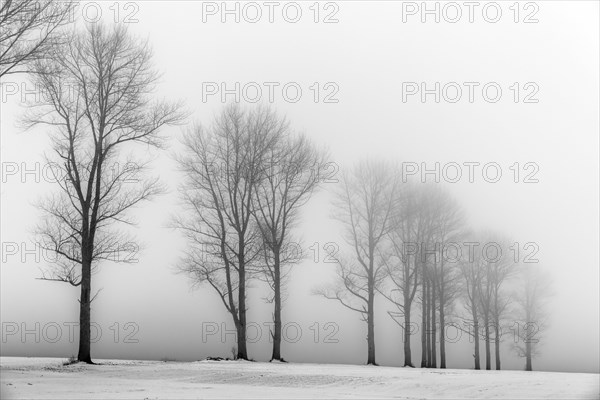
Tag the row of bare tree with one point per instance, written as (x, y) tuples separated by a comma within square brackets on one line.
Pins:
[(409, 241), (410, 244), (98, 104)]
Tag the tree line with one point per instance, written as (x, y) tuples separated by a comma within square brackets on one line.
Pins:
[(240, 217), (410, 244)]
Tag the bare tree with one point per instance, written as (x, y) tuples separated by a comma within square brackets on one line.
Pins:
[(29, 29), (403, 264), (223, 165), (532, 296), (499, 271), (291, 174), (426, 278), (99, 85), (485, 290), (365, 206), (496, 268), (471, 272), (449, 228), (449, 289), (415, 261), (428, 250)]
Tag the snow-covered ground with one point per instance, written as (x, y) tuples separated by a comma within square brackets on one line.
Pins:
[(47, 378)]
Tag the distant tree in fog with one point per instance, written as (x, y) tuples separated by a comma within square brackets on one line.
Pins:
[(485, 292), (533, 292), (498, 274), (224, 165), (493, 258), (424, 220), (442, 223), (472, 274), (290, 175), (449, 229), (99, 84), (364, 204), (486, 277), (402, 264)]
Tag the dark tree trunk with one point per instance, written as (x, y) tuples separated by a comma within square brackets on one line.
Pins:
[(424, 324), (84, 354), (488, 352), (476, 338), (407, 331), (371, 326), (277, 311), (242, 352), (428, 324), (433, 363), (497, 343), (474, 301), (442, 337), (528, 349), (442, 301), (528, 365)]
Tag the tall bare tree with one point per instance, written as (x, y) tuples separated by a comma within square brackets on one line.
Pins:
[(430, 258), (365, 205), (498, 273), (426, 284), (497, 267), (471, 272), (291, 174), (484, 295), (99, 84), (224, 165), (416, 262), (533, 293), (449, 228), (29, 29), (427, 258), (403, 264)]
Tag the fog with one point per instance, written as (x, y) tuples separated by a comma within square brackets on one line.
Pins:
[(146, 310)]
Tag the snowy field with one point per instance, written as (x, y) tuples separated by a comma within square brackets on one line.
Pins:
[(47, 378)]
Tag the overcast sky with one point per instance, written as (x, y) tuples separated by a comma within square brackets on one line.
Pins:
[(365, 62)]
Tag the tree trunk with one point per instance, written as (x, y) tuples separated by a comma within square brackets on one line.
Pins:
[(433, 363), (528, 366), (424, 324), (428, 324), (407, 331), (242, 353), (371, 326), (528, 355), (488, 352), (84, 354), (474, 301), (442, 337), (497, 343), (277, 312), (241, 326), (476, 338)]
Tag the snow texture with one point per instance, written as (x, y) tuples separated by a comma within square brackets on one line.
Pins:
[(48, 378)]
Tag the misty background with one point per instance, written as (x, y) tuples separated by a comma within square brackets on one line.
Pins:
[(367, 54)]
